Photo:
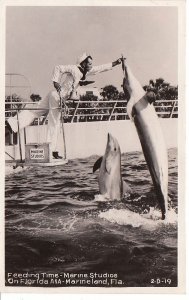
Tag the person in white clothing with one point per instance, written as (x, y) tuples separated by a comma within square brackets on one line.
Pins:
[(66, 79)]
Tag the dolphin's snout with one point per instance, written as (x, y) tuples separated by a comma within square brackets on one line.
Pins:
[(109, 135), (112, 143), (111, 140)]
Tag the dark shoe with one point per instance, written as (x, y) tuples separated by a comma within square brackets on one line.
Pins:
[(56, 155), (8, 127)]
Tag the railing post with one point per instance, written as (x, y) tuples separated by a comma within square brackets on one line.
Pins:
[(75, 111), (173, 108), (112, 111)]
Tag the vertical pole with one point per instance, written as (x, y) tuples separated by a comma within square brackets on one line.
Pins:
[(11, 138), (63, 133), (38, 131), (25, 136), (11, 106), (11, 94), (62, 121), (20, 147)]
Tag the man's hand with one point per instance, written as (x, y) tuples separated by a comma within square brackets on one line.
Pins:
[(116, 62), (65, 108), (57, 86)]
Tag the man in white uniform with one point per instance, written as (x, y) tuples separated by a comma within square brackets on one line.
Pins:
[(66, 79)]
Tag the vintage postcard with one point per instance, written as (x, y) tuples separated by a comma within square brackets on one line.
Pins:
[(93, 131)]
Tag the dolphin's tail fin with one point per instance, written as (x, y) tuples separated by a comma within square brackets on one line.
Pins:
[(163, 202)]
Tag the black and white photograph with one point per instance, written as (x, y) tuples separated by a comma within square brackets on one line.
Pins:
[(93, 100)]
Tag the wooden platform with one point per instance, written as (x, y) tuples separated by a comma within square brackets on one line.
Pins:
[(54, 162), (16, 167)]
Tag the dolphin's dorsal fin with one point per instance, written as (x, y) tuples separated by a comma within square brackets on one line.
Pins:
[(97, 164)]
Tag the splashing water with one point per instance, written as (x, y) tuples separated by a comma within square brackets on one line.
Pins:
[(149, 221), (102, 198)]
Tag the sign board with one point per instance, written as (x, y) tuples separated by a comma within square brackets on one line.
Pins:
[(38, 153)]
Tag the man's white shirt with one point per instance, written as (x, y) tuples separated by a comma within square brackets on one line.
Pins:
[(68, 76)]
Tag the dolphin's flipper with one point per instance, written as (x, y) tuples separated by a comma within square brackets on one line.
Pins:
[(97, 164), (108, 163), (126, 188)]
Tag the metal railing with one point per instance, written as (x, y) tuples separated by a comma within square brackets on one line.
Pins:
[(89, 111), (112, 110)]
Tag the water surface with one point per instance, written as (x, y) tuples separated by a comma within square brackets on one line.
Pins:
[(56, 222)]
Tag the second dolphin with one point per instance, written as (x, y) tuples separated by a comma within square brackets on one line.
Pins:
[(110, 180)]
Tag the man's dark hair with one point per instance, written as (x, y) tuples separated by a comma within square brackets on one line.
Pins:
[(86, 59)]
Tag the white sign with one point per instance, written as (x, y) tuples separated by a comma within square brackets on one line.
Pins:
[(37, 154)]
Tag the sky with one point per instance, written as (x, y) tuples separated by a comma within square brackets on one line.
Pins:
[(40, 37)]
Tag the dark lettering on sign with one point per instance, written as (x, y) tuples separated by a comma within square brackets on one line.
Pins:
[(37, 154)]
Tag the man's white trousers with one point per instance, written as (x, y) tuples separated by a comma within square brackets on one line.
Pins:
[(49, 105)]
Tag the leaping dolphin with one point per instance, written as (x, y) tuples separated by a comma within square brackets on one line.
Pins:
[(150, 134), (110, 180)]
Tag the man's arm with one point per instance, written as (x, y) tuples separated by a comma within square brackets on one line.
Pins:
[(104, 68), (59, 70)]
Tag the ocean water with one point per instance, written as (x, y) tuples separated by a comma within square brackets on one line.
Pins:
[(60, 232)]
